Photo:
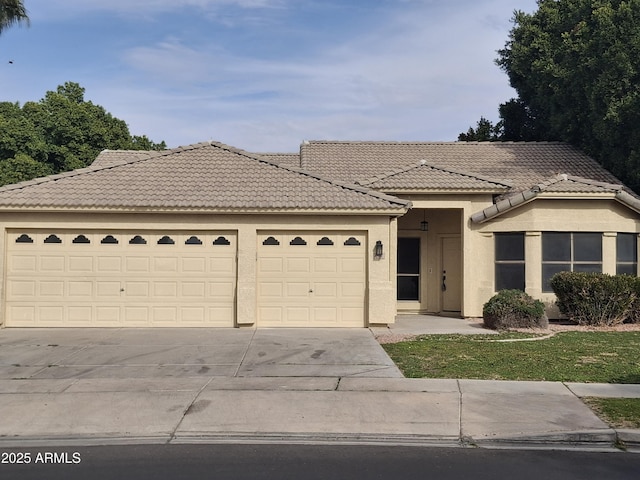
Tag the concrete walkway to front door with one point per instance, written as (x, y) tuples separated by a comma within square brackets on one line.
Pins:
[(407, 325)]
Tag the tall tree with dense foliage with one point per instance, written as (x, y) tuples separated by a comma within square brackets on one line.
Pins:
[(575, 65), (12, 12), (60, 132)]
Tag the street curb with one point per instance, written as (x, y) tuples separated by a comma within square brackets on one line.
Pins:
[(629, 439), (607, 439), (321, 439)]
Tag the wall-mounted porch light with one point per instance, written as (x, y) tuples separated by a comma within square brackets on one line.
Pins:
[(424, 225), (377, 251)]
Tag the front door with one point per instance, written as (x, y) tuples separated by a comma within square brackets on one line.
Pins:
[(409, 269), (451, 280)]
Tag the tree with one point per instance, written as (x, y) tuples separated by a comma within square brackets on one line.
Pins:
[(60, 132), (485, 131), (12, 12), (575, 65)]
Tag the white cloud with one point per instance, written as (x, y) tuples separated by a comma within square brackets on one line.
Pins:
[(423, 71)]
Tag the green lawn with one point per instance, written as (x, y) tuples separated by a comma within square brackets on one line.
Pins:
[(617, 412), (604, 357)]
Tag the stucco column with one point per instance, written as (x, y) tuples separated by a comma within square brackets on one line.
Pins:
[(246, 290), (382, 292), (609, 252), (533, 264)]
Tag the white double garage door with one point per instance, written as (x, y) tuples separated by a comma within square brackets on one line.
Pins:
[(181, 279)]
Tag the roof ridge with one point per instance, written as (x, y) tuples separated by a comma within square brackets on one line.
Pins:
[(563, 177), (428, 142), (91, 168), (424, 163)]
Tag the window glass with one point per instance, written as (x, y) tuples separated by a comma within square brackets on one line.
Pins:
[(587, 267), (627, 269), (556, 247), (587, 247), (549, 270), (409, 255), (408, 288), (509, 276), (509, 246), (626, 247)]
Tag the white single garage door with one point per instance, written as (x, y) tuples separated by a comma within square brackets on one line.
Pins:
[(311, 279), (120, 278)]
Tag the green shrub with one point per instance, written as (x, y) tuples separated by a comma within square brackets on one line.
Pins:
[(634, 311), (596, 299), (513, 309)]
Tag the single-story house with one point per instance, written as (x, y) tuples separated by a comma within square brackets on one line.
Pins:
[(341, 234)]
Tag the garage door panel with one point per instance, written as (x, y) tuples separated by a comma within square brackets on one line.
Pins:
[(51, 288), (194, 265), (81, 289), (49, 264), (314, 279), (22, 289), (296, 289), (108, 289), (112, 282), (109, 264), (80, 264), (23, 263), (137, 264)]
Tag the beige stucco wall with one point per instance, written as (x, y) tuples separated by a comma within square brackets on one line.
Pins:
[(545, 215), (381, 279), (448, 217)]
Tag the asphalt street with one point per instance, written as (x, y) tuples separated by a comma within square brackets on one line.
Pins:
[(309, 462)]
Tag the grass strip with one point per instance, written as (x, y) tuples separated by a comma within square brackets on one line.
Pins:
[(602, 357), (617, 412)]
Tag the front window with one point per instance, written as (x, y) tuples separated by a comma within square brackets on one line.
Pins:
[(569, 252), (509, 257), (627, 254), (409, 269)]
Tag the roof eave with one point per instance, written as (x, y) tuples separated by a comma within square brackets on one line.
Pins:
[(392, 211)]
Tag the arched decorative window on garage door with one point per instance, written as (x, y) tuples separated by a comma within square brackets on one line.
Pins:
[(137, 240), (193, 240), (109, 239), (298, 241), (52, 239), (24, 238), (271, 241), (221, 241), (81, 239), (325, 241), (352, 241)]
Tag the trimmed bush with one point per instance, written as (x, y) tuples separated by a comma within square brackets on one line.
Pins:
[(595, 299), (634, 311), (513, 309)]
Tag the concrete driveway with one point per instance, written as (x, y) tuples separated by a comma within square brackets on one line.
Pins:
[(161, 353)]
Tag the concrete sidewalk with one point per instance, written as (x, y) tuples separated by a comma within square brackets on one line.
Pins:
[(81, 386), (305, 409)]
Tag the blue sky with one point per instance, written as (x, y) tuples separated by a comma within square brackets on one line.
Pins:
[(264, 75)]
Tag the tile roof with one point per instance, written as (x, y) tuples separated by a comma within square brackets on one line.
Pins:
[(561, 183), (422, 176), (107, 158), (206, 176), (282, 159), (521, 164)]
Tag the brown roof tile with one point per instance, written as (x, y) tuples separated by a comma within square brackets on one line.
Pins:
[(424, 177), (561, 183), (202, 176), (521, 164)]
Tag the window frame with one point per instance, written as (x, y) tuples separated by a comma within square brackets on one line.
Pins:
[(500, 262), (634, 262), (571, 263)]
